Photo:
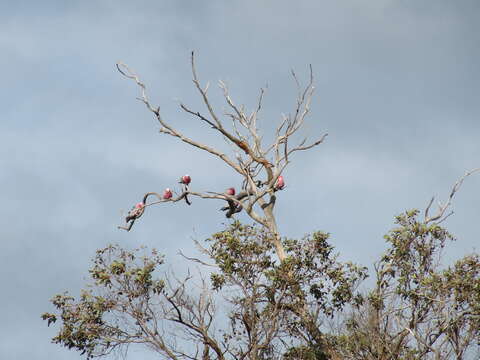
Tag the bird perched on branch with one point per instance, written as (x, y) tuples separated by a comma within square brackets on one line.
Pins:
[(280, 183), (185, 180), (233, 207), (167, 194), (135, 212), (133, 215)]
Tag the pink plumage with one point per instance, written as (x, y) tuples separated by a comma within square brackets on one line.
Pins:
[(167, 194), (185, 179), (280, 184), (230, 191)]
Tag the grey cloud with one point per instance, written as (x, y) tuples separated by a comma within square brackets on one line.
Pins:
[(397, 85)]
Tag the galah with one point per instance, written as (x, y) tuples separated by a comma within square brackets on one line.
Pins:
[(185, 179), (167, 194), (136, 212), (280, 183), (232, 207)]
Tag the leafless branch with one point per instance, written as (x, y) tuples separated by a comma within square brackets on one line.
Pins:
[(259, 194), (440, 215), (195, 259)]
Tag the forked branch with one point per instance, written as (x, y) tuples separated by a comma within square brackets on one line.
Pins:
[(440, 215), (260, 169)]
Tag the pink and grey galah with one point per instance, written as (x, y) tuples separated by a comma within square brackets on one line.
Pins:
[(167, 194), (185, 179), (230, 191), (280, 183), (136, 212)]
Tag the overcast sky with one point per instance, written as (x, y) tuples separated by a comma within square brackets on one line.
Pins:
[(398, 84)]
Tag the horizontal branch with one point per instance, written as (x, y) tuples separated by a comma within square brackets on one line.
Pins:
[(236, 204)]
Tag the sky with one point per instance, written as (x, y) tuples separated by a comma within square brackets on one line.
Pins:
[(397, 90)]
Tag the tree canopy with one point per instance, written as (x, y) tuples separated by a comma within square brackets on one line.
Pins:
[(260, 295)]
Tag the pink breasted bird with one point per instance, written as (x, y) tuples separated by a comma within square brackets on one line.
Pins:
[(230, 191), (280, 184), (136, 212), (185, 179), (167, 194)]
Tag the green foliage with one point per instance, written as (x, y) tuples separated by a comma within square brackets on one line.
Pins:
[(278, 310), (303, 352), (119, 278), (311, 271), (415, 247), (270, 301), (417, 310), (309, 281)]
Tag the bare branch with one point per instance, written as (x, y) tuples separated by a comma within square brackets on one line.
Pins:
[(244, 137), (166, 128), (440, 215), (195, 259)]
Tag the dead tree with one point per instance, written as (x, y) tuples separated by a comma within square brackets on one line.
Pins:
[(259, 166)]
